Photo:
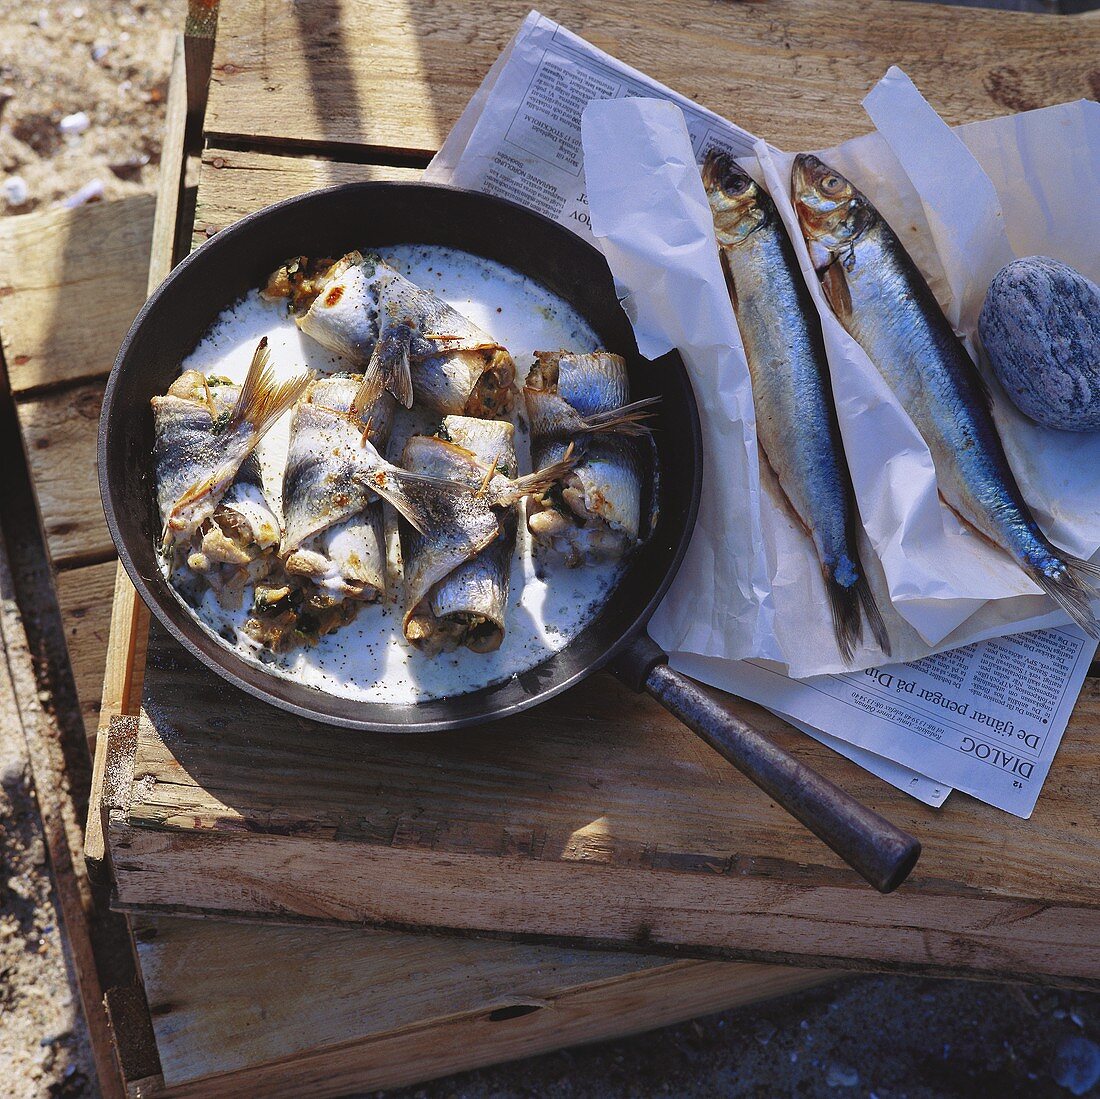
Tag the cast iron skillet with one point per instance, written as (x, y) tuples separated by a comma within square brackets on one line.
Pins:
[(375, 215)]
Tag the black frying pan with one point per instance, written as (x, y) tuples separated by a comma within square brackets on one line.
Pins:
[(375, 215)]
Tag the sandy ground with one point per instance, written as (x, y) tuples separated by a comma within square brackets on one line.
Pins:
[(887, 1037), (105, 60)]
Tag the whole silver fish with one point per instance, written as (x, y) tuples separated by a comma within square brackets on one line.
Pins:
[(882, 299), (408, 342), (796, 421), (581, 401), (204, 463), (456, 582)]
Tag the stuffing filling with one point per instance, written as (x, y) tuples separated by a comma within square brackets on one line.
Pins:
[(443, 635), (493, 392), (301, 280)]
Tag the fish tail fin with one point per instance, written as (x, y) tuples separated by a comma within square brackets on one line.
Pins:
[(1072, 584), (844, 602), (626, 420), (389, 369), (531, 484), (426, 503), (873, 614), (262, 399)]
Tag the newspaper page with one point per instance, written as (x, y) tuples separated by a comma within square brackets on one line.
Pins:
[(909, 782), (520, 136), (985, 718)]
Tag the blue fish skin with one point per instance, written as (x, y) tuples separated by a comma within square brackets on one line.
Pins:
[(881, 298), (796, 420)]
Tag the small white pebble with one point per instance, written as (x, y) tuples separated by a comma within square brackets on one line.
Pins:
[(99, 52), (73, 124), (14, 189), (90, 192)]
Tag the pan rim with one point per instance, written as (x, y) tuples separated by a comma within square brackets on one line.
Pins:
[(225, 666)]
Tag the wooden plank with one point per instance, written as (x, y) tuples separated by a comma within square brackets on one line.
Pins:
[(71, 282), (60, 429), (21, 707), (85, 595), (598, 820), (129, 626), (165, 240), (487, 1002), (237, 183), (793, 71), (437, 1015)]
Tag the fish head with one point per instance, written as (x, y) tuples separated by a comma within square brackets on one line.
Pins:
[(832, 212), (738, 203)]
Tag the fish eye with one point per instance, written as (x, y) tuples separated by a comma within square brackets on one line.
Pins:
[(832, 184)]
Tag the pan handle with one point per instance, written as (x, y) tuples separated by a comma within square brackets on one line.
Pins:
[(880, 852)]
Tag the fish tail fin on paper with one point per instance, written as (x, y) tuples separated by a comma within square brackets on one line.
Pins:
[(848, 603), (847, 622), (874, 615), (1072, 584)]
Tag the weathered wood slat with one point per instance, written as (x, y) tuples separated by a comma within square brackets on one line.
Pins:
[(793, 71), (324, 1036), (597, 820), (209, 1022), (25, 717), (60, 428), (85, 595), (237, 183), (70, 284)]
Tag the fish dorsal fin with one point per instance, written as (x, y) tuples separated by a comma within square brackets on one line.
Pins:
[(836, 290)]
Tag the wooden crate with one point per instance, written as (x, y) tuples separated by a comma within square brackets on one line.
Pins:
[(211, 1015), (596, 819)]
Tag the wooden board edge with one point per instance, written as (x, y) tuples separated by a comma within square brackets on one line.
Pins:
[(47, 766), (599, 1011), (129, 616), (989, 937), (122, 681)]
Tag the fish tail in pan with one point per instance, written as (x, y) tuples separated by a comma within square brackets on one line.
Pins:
[(509, 492), (231, 438), (389, 369), (626, 420)]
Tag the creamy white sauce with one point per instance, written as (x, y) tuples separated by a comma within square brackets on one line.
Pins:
[(370, 660)]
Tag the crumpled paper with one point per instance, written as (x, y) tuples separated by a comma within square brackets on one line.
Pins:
[(964, 202)]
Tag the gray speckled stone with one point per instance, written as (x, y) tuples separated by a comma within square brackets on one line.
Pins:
[(1040, 326)]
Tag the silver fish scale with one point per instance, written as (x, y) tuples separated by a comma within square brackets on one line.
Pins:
[(183, 450), (593, 383), (918, 354), (795, 419)]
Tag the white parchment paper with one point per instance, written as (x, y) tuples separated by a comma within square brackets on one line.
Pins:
[(939, 582)]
